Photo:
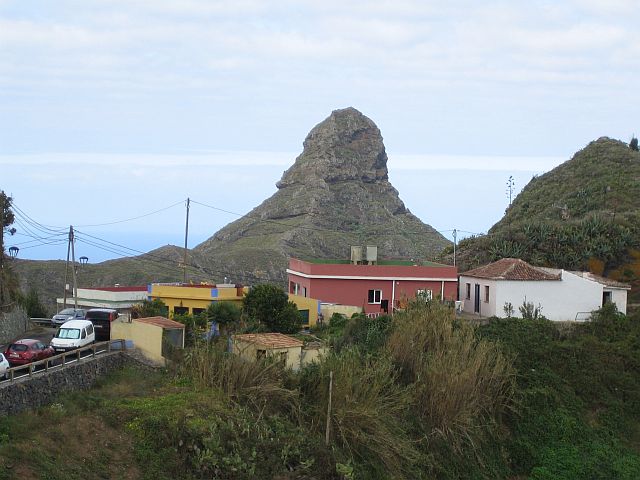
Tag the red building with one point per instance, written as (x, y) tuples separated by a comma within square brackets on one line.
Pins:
[(375, 287)]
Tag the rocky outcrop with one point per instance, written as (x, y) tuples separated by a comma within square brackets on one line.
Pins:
[(336, 194)]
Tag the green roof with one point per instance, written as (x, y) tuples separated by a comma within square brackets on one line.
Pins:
[(396, 262)]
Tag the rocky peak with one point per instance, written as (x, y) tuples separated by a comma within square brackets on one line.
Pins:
[(345, 146)]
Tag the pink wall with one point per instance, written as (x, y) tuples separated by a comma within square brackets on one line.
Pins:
[(355, 292)]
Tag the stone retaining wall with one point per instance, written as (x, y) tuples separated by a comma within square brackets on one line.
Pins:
[(43, 388), (13, 324)]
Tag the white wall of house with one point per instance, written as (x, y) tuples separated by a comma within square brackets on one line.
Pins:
[(487, 309), (559, 300), (619, 297)]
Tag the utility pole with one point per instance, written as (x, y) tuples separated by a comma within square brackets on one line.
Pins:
[(2, 197), (186, 236), (328, 428), (455, 234), (73, 270), (66, 268)]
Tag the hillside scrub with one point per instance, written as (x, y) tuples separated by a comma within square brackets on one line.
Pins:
[(460, 384), (577, 397)]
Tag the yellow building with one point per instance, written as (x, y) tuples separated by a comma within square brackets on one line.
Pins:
[(253, 346), (309, 309), (153, 336), (184, 299)]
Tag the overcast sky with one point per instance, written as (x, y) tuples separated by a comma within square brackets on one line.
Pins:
[(111, 109)]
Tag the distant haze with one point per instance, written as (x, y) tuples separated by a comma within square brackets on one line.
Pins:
[(445, 192)]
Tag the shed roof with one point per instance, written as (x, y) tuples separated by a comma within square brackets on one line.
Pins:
[(512, 269), (607, 282), (269, 340), (160, 322)]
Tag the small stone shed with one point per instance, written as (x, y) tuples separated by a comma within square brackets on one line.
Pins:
[(253, 346), (153, 336)]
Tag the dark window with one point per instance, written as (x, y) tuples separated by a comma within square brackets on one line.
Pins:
[(84, 333), (198, 311), (180, 310), (606, 298), (89, 329), (486, 293), (468, 291), (260, 354), (375, 296), (305, 317)]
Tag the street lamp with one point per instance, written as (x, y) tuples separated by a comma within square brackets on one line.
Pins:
[(84, 260), (13, 251)]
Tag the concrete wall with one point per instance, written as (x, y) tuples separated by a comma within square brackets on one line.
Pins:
[(146, 338), (43, 389), (619, 297), (249, 351), (347, 310), (13, 324)]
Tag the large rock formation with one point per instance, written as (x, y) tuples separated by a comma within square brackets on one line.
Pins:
[(335, 195)]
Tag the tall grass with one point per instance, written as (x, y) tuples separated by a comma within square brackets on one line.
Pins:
[(459, 383), (262, 384), (367, 418)]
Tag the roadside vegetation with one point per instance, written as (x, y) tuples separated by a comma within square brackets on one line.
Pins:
[(422, 395)]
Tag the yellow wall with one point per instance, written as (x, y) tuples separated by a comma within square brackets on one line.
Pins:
[(146, 337), (248, 351), (347, 310), (312, 354), (305, 303), (194, 297)]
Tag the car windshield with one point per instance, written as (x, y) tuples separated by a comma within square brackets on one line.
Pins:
[(67, 311), (68, 333), (18, 347)]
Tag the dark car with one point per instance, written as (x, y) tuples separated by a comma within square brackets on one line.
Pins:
[(101, 319), (68, 314), (26, 351)]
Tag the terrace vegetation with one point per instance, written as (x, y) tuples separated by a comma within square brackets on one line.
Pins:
[(582, 215), (419, 395)]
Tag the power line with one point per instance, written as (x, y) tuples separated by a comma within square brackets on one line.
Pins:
[(132, 218)]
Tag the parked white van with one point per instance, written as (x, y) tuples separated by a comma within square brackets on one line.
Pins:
[(73, 334)]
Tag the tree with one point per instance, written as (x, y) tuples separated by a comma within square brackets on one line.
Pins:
[(149, 308), (269, 305), (633, 144), (32, 304), (7, 283), (223, 313)]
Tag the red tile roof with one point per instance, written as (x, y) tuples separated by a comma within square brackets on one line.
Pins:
[(512, 269), (270, 340), (160, 322)]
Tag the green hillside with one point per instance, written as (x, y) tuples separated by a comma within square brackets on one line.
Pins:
[(515, 399), (582, 215)]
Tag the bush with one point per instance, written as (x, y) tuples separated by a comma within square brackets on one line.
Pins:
[(460, 383), (269, 305), (367, 413)]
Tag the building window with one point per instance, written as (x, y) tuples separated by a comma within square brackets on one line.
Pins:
[(468, 291), (425, 295), (198, 311), (180, 310), (304, 291), (375, 296), (292, 287), (606, 298), (260, 354), (486, 293)]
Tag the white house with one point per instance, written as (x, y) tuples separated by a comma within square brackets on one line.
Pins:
[(118, 297), (561, 294)]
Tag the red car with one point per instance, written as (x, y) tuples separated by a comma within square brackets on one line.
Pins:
[(26, 351)]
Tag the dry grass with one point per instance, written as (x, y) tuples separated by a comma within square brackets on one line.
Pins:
[(460, 384), (368, 410), (262, 383)]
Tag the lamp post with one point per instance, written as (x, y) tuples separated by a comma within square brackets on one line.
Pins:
[(13, 251)]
